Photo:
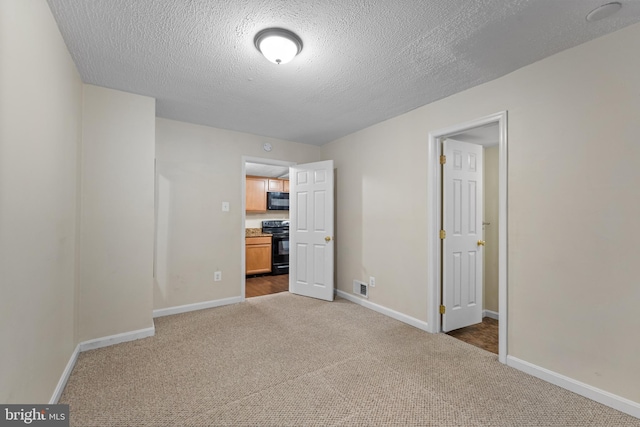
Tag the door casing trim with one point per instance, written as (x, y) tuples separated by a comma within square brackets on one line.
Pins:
[(434, 201)]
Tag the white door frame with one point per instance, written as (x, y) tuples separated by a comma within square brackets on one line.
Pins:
[(243, 210), (434, 202)]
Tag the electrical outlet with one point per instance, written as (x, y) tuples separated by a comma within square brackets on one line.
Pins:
[(225, 206), (217, 276), (372, 281)]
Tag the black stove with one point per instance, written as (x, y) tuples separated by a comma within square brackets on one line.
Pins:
[(280, 226), (279, 229)]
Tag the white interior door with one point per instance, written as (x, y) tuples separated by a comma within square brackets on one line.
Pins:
[(311, 230), (462, 247)]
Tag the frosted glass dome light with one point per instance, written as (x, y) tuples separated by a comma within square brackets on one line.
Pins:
[(278, 45)]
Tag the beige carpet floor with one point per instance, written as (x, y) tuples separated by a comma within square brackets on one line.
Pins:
[(286, 360)]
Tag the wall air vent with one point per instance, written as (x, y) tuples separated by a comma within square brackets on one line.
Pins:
[(361, 288)]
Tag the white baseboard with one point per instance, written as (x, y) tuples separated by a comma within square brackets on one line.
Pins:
[(490, 314), (609, 399), (129, 336), (65, 376), (193, 307), (117, 339), (91, 345), (384, 310)]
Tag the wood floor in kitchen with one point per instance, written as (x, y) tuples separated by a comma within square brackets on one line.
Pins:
[(265, 285), (483, 335)]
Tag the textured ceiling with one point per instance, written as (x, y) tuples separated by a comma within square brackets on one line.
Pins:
[(363, 61), (271, 171)]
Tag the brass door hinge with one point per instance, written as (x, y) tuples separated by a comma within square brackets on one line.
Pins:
[(442, 309), (443, 159), (443, 234)]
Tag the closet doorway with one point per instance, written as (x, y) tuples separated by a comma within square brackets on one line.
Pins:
[(445, 299), (470, 249)]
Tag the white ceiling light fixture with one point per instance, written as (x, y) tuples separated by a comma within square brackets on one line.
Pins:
[(604, 11), (278, 45)]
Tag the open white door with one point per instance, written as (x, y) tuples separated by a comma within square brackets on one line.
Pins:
[(311, 230), (462, 204)]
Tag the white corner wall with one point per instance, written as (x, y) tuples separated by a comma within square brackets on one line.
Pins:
[(117, 213), (40, 122), (198, 168), (573, 177)]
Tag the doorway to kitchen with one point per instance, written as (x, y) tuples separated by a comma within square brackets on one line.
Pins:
[(461, 231), (257, 286), (265, 216)]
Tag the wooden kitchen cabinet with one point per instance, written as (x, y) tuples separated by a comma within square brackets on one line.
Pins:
[(258, 254), (276, 185), (257, 188), (256, 194), (281, 185)]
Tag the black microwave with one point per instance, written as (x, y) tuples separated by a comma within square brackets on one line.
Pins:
[(277, 201)]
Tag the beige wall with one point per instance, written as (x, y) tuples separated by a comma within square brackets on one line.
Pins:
[(573, 208), (254, 220), (199, 168), (381, 212), (490, 271), (40, 119), (117, 220)]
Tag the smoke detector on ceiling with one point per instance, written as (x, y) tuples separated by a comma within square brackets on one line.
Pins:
[(604, 11)]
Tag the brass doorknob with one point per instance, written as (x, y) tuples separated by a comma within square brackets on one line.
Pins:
[(327, 239), (481, 242)]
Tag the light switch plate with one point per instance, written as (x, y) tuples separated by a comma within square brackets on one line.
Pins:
[(225, 206)]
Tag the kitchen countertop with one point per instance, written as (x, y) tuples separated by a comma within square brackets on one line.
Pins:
[(255, 232)]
